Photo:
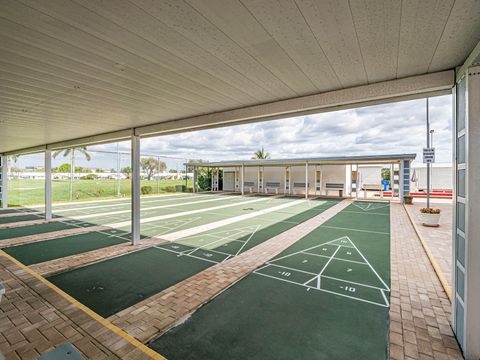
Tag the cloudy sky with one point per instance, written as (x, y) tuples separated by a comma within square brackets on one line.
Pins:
[(381, 129)]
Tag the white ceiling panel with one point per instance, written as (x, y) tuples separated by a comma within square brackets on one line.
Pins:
[(76, 68)]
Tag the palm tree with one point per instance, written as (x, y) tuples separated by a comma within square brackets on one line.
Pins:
[(261, 154), (72, 151)]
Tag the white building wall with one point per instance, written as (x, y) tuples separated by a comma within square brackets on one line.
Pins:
[(330, 173)]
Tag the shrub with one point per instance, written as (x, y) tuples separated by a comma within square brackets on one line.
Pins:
[(407, 196), (430, 211), (180, 188), (190, 189), (145, 190), (169, 188), (89, 177)]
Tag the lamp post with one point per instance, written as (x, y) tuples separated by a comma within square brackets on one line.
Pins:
[(428, 146)]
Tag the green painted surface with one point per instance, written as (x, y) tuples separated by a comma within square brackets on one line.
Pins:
[(13, 219), (41, 228), (113, 285), (41, 251), (285, 311)]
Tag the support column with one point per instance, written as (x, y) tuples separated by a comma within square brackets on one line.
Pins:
[(48, 184), (306, 180), (135, 189), (211, 179), (195, 180), (392, 180), (466, 233), (242, 184), (4, 186)]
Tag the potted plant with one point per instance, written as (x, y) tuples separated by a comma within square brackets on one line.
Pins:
[(386, 178), (430, 217), (408, 199)]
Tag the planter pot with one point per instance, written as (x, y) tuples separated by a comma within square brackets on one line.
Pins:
[(431, 220), (408, 201)]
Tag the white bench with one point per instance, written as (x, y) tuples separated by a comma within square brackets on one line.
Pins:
[(336, 187), (272, 186), (248, 185), (372, 187), (300, 186)]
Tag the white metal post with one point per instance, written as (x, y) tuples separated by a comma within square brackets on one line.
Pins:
[(242, 185), (195, 180), (212, 174), (135, 189), (401, 182), (48, 184), (466, 236), (4, 182), (72, 171), (306, 180), (258, 179), (118, 170), (391, 180)]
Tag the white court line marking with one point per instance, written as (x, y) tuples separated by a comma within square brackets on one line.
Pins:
[(182, 223), (81, 217), (325, 256), (61, 211), (228, 221), (364, 212), (170, 216), (193, 256), (349, 229), (249, 238), (324, 290), (371, 267), (319, 275), (384, 297), (371, 205), (325, 266), (218, 239), (101, 201)]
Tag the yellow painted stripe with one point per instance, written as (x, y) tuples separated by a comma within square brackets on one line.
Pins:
[(139, 345), (434, 263)]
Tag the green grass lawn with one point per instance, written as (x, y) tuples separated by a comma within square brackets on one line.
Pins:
[(31, 192)]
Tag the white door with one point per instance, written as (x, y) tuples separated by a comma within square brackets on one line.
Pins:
[(229, 181)]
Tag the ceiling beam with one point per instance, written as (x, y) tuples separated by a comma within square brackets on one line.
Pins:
[(360, 96), (409, 88), (472, 60)]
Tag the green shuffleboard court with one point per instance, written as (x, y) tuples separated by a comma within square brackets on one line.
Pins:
[(37, 252), (22, 217), (42, 228), (325, 297), (112, 285)]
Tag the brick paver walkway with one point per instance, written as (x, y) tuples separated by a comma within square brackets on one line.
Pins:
[(155, 315), (35, 319), (420, 311), (439, 239)]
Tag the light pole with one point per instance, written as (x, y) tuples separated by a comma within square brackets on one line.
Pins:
[(428, 147)]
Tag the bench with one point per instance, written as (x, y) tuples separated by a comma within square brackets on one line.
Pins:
[(372, 187), (299, 185), (249, 185), (272, 186), (336, 187)]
